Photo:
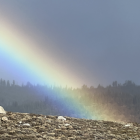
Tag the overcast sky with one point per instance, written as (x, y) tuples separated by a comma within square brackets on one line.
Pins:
[(97, 40)]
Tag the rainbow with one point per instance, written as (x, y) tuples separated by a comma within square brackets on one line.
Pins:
[(21, 56)]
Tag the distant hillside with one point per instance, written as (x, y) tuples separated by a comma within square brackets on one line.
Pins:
[(26, 126)]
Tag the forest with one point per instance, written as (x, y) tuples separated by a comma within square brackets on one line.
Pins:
[(121, 100)]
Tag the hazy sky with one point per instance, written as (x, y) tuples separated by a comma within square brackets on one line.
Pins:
[(98, 41)]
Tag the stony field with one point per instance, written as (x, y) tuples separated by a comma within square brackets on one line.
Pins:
[(21, 126)]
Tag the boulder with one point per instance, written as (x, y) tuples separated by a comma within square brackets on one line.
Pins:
[(2, 110), (61, 118)]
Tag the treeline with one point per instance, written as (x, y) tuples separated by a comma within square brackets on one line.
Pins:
[(119, 101)]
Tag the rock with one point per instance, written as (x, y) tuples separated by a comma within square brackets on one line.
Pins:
[(26, 124), (67, 124), (4, 119), (61, 118), (129, 124), (2, 110), (20, 122)]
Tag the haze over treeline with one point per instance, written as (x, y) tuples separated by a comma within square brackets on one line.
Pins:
[(36, 99)]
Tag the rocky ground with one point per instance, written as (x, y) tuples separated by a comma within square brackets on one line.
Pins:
[(21, 126)]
